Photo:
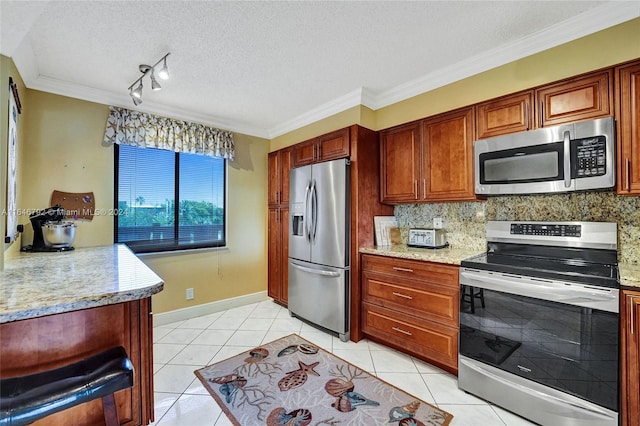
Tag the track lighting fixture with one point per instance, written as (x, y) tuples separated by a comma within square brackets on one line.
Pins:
[(163, 73)]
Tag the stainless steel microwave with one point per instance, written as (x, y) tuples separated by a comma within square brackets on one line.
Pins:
[(570, 157)]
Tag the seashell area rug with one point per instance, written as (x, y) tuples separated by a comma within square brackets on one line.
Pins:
[(293, 382)]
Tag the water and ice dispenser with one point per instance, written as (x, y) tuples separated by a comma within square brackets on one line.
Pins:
[(297, 219)]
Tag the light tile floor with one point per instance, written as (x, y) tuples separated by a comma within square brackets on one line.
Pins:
[(182, 347)]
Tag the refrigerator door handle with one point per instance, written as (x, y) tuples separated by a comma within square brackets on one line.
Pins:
[(315, 271), (307, 217), (314, 209)]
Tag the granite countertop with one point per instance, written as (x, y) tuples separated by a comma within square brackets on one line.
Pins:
[(449, 255), (629, 275), (38, 284)]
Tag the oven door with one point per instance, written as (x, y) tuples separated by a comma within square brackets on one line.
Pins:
[(558, 334)]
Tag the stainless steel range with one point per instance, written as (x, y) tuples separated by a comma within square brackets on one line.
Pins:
[(539, 321)]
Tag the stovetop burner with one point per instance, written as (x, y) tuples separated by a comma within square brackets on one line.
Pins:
[(584, 256)]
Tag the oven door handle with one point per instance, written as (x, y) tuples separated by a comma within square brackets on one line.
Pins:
[(605, 299)]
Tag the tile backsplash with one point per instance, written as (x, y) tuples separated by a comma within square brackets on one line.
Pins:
[(465, 222)]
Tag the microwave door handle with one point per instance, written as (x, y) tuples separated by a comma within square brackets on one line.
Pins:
[(567, 159)]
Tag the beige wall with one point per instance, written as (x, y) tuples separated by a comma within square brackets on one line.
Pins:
[(63, 150), (608, 47)]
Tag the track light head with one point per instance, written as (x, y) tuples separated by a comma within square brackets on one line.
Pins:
[(154, 83), (163, 73), (136, 101), (137, 92)]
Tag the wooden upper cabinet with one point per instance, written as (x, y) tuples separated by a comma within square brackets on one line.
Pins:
[(400, 159), (279, 167), (628, 128), (575, 99), (448, 156), (508, 114), (323, 148)]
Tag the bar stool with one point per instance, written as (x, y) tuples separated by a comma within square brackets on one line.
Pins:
[(25, 399), (468, 294)]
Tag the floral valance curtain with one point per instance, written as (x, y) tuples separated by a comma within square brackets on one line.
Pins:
[(128, 127)]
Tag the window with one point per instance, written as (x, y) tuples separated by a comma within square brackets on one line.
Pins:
[(167, 200)]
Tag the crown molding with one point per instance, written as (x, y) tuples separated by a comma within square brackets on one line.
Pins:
[(605, 16), (592, 21), (351, 99)]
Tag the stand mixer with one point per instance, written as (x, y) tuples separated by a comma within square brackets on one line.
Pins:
[(41, 219)]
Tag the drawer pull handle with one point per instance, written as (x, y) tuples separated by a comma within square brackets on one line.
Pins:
[(396, 268), (405, 296), (399, 330)]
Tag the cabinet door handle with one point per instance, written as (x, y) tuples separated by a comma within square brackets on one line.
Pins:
[(399, 330), (627, 173), (424, 188), (541, 113), (404, 296), (526, 115), (631, 314), (415, 189), (397, 268)]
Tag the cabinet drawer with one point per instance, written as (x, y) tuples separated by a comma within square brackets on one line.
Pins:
[(430, 341), (412, 269), (430, 301)]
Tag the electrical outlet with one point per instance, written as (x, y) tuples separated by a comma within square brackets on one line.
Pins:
[(438, 223), (190, 294)]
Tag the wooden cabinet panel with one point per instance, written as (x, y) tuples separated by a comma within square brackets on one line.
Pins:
[(278, 254), (323, 148), (448, 158), (284, 255), (412, 306), (508, 114), (412, 269), (42, 343), (400, 174), (630, 350), (628, 127), (435, 342), (576, 99), (435, 302), (274, 253), (304, 153), (333, 145), (279, 165)]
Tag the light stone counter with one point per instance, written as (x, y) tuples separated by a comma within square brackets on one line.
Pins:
[(449, 255), (38, 284), (629, 275)]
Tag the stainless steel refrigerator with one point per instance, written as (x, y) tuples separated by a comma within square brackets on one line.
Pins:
[(319, 243)]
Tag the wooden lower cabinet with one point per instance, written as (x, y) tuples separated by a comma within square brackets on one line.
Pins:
[(39, 344), (630, 359), (278, 249), (412, 306)]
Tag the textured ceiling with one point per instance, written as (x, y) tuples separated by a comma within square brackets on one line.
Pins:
[(265, 68)]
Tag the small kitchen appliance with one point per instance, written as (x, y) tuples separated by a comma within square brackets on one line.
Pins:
[(544, 341), (427, 238), (50, 232)]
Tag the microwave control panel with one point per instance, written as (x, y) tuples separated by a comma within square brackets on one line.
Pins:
[(590, 158)]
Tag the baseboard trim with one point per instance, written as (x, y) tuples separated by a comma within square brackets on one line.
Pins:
[(208, 308)]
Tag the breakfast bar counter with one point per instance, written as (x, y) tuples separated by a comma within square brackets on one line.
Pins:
[(57, 308)]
